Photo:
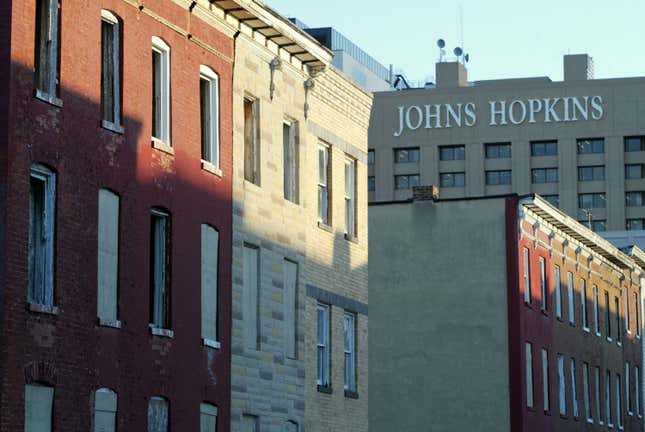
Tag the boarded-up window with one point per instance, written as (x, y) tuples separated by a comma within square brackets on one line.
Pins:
[(250, 423), (323, 345), (250, 297), (323, 186), (291, 158), (290, 275), (160, 269), (42, 213), (210, 248), (209, 106), (350, 197), (110, 68), (251, 141), (108, 256), (157, 414), (160, 90), (207, 417), (39, 401), (105, 408), (47, 47)]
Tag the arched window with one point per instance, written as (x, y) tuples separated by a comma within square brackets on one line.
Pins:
[(161, 90), (111, 71), (209, 109)]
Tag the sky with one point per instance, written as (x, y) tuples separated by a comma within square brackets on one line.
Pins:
[(505, 38)]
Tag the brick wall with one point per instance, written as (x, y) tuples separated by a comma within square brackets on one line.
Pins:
[(69, 350)]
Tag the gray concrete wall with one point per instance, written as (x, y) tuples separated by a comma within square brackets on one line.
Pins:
[(438, 347)]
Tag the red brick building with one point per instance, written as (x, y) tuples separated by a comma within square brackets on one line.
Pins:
[(115, 215)]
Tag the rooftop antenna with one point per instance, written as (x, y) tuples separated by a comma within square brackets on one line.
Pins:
[(442, 52)]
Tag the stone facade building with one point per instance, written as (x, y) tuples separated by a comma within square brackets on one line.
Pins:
[(299, 360), (509, 315)]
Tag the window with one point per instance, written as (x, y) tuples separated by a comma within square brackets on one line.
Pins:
[(617, 307), (545, 380), (634, 199), (456, 179), (596, 311), (349, 332), (590, 146), (110, 70), (527, 276), (597, 225), (494, 178), (528, 350), (543, 298), (608, 398), (406, 181), (250, 297), (371, 157), (39, 401), (636, 143), (637, 390), (607, 316), (554, 200), (544, 175), (598, 392), (250, 423), (583, 304), (586, 395), (108, 256), (591, 173), (252, 140), (448, 153), (562, 386), (105, 407), (290, 275), (628, 399), (637, 315), (160, 90), (574, 391), (350, 197), (572, 319), (619, 397), (627, 313), (371, 184), (47, 55), (209, 268), (207, 417), (406, 155), (323, 345), (323, 188), (42, 214), (635, 224), (498, 150), (160, 269), (209, 114), (558, 293), (592, 200), (634, 171), (291, 156), (544, 148), (158, 414)]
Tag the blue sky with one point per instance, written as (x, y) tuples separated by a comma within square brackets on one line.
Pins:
[(505, 38)]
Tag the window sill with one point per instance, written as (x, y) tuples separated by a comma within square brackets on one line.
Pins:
[(43, 309), (112, 127), (109, 323), (349, 394), (162, 146), (619, 343), (630, 413), (52, 100), (586, 330), (609, 339), (209, 167), (323, 226), (590, 421), (211, 343), (161, 332), (598, 334), (351, 238), (620, 428), (324, 389), (610, 426)]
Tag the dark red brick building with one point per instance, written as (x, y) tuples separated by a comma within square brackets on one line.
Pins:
[(115, 215)]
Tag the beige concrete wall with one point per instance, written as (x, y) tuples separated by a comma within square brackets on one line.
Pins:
[(438, 317), (624, 115)]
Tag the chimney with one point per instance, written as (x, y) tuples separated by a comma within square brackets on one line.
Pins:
[(425, 193), (451, 74), (578, 67)]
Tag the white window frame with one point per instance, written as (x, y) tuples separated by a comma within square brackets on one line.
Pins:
[(108, 259), (207, 412), (596, 311), (323, 354), (161, 48), (41, 259), (528, 366), (209, 285), (159, 283), (543, 294), (625, 294), (570, 297), (527, 275), (562, 386), (583, 305), (111, 19), (291, 165), (349, 348), (105, 405), (586, 394), (638, 315), (608, 316), (558, 293), (350, 197), (323, 184), (48, 76), (574, 389), (213, 144)]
